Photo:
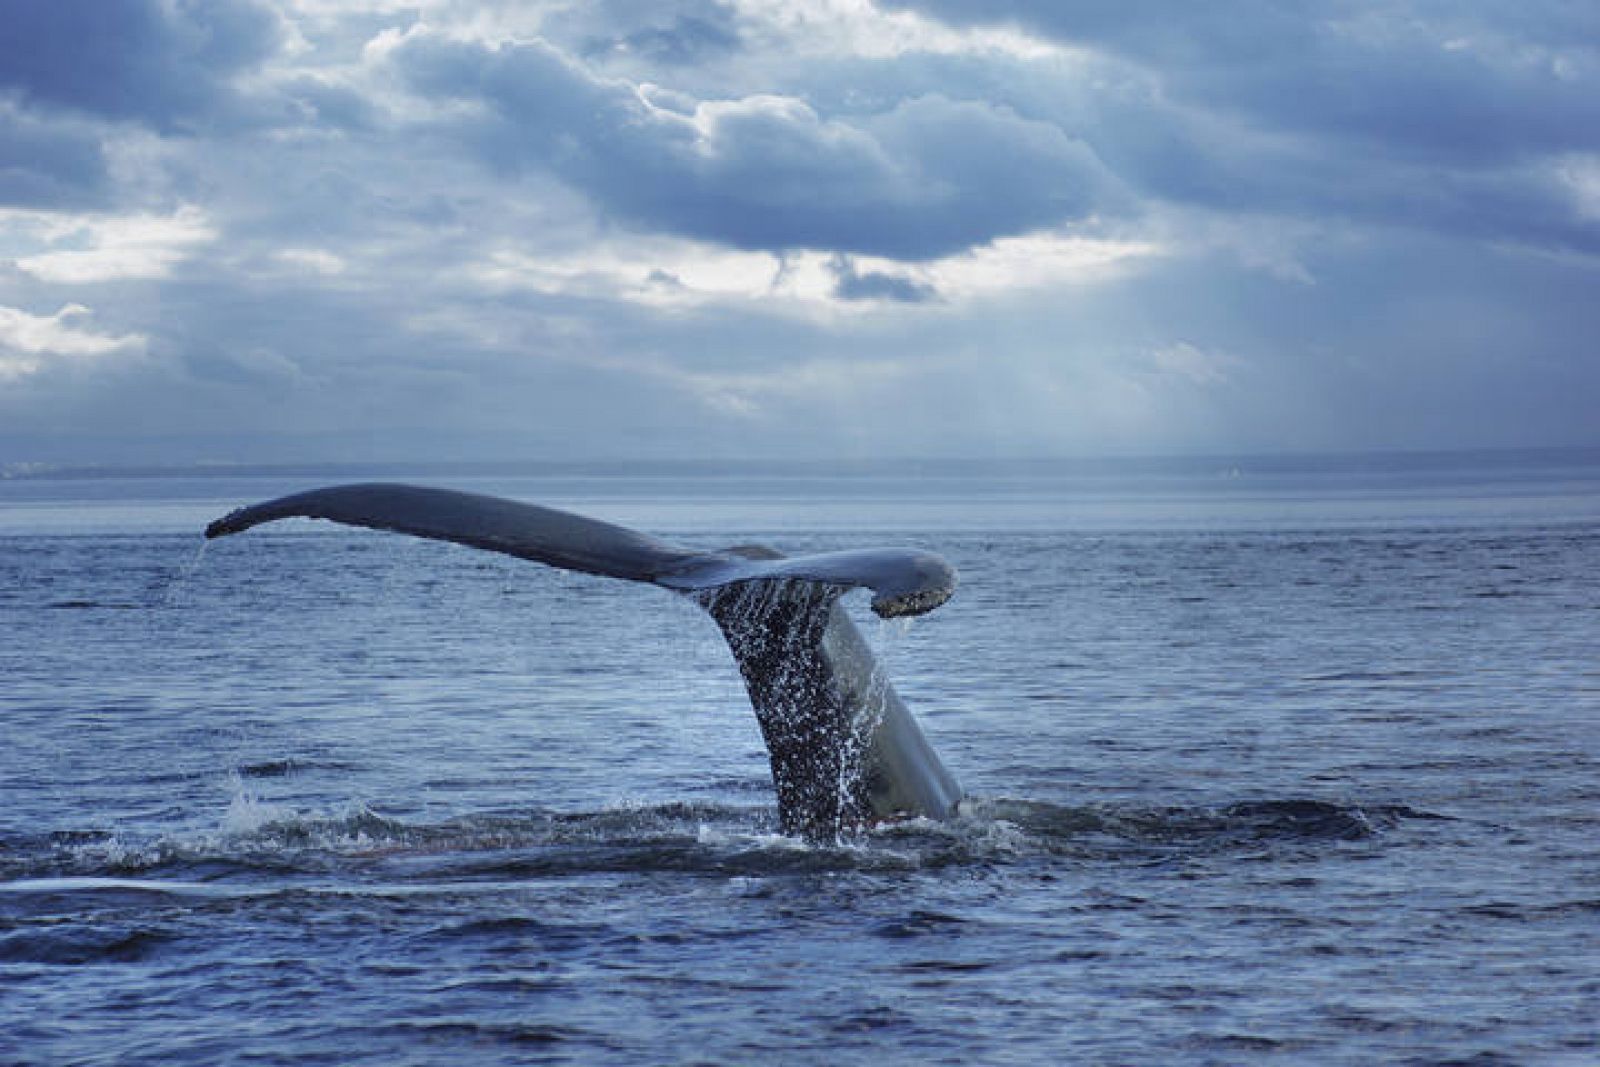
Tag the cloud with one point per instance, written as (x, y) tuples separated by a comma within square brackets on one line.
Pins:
[(1455, 118), (1038, 264), (328, 105), (28, 343), (108, 248), (795, 390), (666, 34), (1184, 362), (162, 62), (675, 274), (829, 29), (663, 273), (1581, 177), (1469, 83), (46, 166), (317, 260), (850, 283), (923, 178), (438, 228)]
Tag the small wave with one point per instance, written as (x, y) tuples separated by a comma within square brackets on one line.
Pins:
[(1260, 820), (1243, 1043), (1304, 819), (1402, 675), (522, 932), (286, 766), (122, 887), (276, 768), (478, 1031), (76, 945), (1108, 831), (946, 966), (919, 923), (1520, 912)]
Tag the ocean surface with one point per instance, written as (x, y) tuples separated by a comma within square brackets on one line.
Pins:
[(1267, 762)]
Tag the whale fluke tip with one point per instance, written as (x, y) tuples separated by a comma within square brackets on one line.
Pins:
[(222, 527), (916, 603)]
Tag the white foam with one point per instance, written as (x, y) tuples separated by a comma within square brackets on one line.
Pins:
[(247, 813)]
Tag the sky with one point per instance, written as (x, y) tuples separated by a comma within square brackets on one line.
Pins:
[(241, 232)]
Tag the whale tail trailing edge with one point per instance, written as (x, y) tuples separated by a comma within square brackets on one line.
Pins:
[(844, 749), (544, 535)]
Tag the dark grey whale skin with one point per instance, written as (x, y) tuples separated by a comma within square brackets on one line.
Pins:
[(845, 750)]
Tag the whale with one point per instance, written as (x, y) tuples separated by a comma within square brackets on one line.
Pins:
[(845, 751)]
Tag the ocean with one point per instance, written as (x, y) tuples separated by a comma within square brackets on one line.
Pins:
[(1266, 761)]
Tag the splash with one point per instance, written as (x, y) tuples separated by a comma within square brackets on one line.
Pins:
[(179, 580), (248, 814)]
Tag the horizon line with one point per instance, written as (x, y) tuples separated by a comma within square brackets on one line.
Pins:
[(1131, 462)]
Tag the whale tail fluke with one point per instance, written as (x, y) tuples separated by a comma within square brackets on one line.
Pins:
[(845, 751)]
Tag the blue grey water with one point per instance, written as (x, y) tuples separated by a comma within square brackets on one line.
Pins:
[(1293, 762)]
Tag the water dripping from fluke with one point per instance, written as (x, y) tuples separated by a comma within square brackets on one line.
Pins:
[(181, 578)]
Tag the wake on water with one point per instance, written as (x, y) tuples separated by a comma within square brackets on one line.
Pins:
[(256, 838)]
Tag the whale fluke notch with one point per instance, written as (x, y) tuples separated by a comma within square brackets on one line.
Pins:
[(845, 750)]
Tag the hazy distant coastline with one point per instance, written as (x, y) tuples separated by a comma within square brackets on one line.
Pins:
[(1110, 466)]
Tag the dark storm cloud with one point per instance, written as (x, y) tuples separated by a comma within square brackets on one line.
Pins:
[(1199, 162), (48, 167), (926, 177), (1462, 83), (1452, 117), (146, 60)]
